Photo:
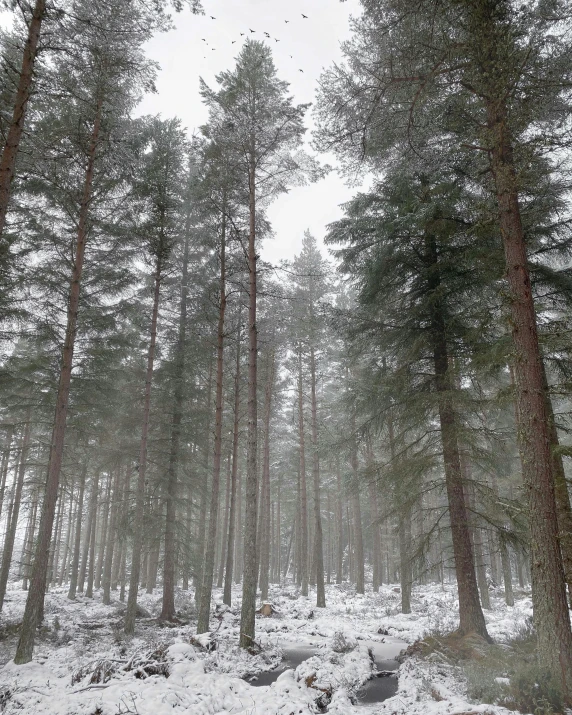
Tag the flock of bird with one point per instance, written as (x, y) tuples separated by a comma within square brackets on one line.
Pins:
[(243, 34)]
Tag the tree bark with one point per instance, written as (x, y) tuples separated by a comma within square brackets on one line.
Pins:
[(13, 523), (14, 135), (551, 614), (356, 513), (248, 610), (35, 600), (265, 500), (169, 565), (208, 572), (303, 488), (129, 626), (111, 538), (340, 524), (227, 595), (318, 537), (90, 565), (471, 615), (5, 464)]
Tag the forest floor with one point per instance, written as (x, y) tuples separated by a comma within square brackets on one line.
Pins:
[(84, 665)]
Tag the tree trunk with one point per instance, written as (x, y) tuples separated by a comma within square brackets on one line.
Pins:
[(208, 572), (35, 600), (5, 464), (318, 538), (551, 615), (561, 493), (506, 572), (227, 596), (224, 535), (356, 513), (111, 536), (303, 488), (340, 524), (14, 135), (106, 506), (265, 501), (470, 612), (169, 564), (92, 537), (29, 546), (138, 525), (13, 523), (248, 615), (200, 555)]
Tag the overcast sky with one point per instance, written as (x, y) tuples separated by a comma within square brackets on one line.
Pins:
[(314, 44)]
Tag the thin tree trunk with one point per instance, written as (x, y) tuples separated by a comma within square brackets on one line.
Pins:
[(208, 572), (13, 524), (356, 512), (224, 537), (303, 488), (506, 572), (265, 501), (14, 135), (103, 532), (35, 600), (169, 565), (318, 538), (248, 615), (30, 542), (340, 523), (470, 612), (227, 595), (5, 464), (68, 539), (138, 525), (198, 578), (56, 543), (92, 538), (111, 538)]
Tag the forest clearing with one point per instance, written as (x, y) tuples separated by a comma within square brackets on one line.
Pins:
[(285, 357)]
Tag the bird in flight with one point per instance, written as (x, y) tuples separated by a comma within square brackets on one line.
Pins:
[(286, 21), (242, 34), (302, 71), (267, 35), (212, 18), (305, 16), (233, 42), (275, 40), (252, 30)]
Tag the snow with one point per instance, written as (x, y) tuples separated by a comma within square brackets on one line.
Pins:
[(85, 637)]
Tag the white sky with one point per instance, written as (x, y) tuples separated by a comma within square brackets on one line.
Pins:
[(314, 45)]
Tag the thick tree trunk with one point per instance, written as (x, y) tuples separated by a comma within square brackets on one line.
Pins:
[(138, 522), (470, 612), (248, 610), (561, 493), (208, 572), (233, 495), (169, 564), (14, 135), (318, 538), (13, 523), (35, 600), (551, 615)]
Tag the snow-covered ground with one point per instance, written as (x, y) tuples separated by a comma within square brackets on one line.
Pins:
[(84, 665)]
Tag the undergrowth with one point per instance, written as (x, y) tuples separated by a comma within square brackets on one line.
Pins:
[(512, 676)]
